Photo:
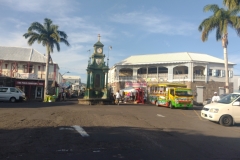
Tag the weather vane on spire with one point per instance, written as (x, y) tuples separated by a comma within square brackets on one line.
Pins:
[(99, 37)]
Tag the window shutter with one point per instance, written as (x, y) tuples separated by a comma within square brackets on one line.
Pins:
[(205, 72), (222, 73), (214, 72), (230, 74)]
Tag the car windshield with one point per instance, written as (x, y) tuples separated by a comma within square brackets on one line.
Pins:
[(228, 98), (183, 92)]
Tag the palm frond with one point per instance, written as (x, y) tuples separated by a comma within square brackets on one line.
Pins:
[(211, 7), (64, 41)]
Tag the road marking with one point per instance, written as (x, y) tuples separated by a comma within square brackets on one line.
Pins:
[(65, 128), (159, 115), (81, 131), (198, 115)]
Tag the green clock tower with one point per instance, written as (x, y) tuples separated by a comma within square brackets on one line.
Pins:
[(97, 90)]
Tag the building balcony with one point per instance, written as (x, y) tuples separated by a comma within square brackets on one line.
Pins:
[(25, 75), (180, 76), (158, 77), (198, 77)]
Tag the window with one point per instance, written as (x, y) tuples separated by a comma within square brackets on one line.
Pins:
[(216, 73), (27, 69), (199, 72), (12, 90), (3, 89), (210, 72)]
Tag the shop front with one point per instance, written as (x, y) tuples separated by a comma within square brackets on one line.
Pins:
[(32, 88)]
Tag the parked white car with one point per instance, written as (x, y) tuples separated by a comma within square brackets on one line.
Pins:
[(226, 111), (11, 94)]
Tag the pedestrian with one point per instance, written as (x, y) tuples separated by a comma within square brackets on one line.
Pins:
[(64, 96), (118, 96), (215, 98)]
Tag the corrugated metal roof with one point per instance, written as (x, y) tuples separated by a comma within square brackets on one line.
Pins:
[(21, 54), (170, 58)]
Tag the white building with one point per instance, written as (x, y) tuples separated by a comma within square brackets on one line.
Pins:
[(25, 68), (203, 73)]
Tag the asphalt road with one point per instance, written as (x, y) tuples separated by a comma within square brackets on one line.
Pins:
[(67, 130)]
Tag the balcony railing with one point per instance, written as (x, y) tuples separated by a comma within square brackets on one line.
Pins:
[(26, 75), (158, 78), (199, 77), (180, 76)]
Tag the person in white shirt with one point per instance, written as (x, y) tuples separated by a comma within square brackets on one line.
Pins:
[(118, 96), (215, 98)]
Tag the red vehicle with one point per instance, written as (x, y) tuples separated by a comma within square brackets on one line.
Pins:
[(139, 96)]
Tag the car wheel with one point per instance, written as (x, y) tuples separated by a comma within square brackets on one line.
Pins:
[(226, 120), (170, 105), (12, 99)]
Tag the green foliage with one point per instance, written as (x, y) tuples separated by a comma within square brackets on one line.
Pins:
[(220, 20), (49, 36), (231, 4)]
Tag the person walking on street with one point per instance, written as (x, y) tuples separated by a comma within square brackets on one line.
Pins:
[(215, 98), (118, 96)]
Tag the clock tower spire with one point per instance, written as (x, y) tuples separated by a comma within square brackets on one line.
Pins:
[(99, 37)]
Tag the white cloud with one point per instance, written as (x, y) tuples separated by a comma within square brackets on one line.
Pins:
[(155, 23), (41, 6)]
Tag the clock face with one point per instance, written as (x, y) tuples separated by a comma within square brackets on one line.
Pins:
[(99, 50)]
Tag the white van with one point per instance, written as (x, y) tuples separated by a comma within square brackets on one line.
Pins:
[(226, 111), (11, 94)]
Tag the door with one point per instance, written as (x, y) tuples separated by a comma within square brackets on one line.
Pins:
[(236, 112), (199, 94), (221, 91), (38, 92)]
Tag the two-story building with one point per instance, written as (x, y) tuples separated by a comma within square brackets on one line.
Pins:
[(203, 73), (25, 68)]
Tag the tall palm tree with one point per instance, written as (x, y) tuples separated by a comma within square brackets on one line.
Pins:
[(220, 20), (49, 35), (231, 4)]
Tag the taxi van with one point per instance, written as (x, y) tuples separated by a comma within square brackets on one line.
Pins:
[(11, 94), (226, 111)]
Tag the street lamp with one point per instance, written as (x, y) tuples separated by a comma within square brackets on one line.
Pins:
[(89, 61), (65, 72), (109, 48)]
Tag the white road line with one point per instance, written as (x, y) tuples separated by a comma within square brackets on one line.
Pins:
[(81, 131), (65, 128), (159, 115)]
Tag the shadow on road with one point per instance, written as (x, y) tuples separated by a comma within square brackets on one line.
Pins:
[(63, 142)]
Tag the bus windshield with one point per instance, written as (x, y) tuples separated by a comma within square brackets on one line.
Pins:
[(183, 92)]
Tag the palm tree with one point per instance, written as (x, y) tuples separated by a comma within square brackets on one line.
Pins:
[(49, 35), (220, 20), (231, 4)]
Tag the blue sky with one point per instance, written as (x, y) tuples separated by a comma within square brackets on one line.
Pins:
[(131, 27)]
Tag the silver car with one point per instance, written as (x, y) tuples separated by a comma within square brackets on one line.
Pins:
[(11, 94)]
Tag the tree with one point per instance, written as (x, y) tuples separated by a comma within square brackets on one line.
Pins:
[(49, 35), (220, 20), (231, 4)]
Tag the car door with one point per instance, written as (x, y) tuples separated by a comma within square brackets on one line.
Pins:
[(236, 111)]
